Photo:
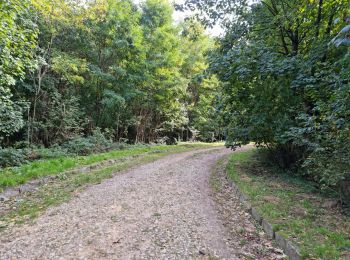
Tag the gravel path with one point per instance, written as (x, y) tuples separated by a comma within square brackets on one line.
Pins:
[(161, 210)]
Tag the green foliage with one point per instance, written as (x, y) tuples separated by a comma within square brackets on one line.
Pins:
[(114, 65), (11, 119), (87, 145), (203, 90), (330, 140), (286, 82), (281, 77), (17, 39), (12, 157)]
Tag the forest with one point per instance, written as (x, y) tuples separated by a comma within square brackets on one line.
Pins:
[(82, 76), (69, 69)]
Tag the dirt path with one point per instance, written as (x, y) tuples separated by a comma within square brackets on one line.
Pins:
[(161, 210)]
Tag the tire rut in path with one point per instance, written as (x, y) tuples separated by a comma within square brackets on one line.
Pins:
[(161, 210)]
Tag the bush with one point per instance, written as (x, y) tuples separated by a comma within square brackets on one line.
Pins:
[(12, 157), (52, 152), (119, 146), (78, 146), (87, 145)]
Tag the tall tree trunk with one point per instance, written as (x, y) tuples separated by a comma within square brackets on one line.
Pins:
[(319, 18)]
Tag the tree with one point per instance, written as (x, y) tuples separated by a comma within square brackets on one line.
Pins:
[(17, 39), (163, 86), (285, 85), (203, 89), (115, 66)]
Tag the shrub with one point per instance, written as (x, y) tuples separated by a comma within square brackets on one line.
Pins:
[(87, 145), (119, 146), (12, 157), (52, 152), (79, 146)]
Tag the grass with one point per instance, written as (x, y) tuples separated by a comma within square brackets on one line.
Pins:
[(30, 205), (294, 206), (19, 175)]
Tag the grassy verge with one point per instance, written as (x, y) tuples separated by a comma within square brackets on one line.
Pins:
[(19, 175), (294, 206), (59, 190)]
